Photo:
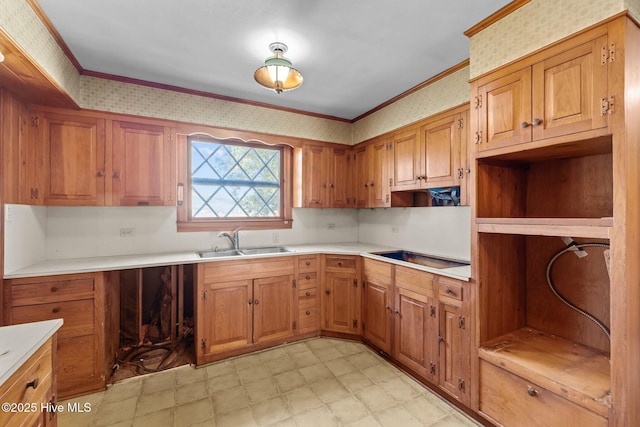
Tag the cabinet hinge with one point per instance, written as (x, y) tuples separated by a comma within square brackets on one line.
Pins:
[(294, 326), (355, 283), (293, 283), (478, 102), (390, 182), (203, 343), (460, 123), (460, 173), (461, 322), (432, 368), (355, 323), (387, 199), (607, 105), (432, 311), (607, 54), (461, 384), (478, 137), (204, 294), (35, 121), (170, 136), (363, 327)]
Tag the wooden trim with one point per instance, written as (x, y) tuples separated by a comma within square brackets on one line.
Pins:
[(54, 33), (487, 22), (414, 89)]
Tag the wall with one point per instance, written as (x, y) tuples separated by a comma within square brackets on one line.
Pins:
[(443, 231), (35, 233), (535, 25)]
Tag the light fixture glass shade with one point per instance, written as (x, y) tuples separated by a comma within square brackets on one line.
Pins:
[(277, 73)]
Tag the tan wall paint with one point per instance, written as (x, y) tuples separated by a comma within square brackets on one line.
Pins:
[(633, 6), (533, 26)]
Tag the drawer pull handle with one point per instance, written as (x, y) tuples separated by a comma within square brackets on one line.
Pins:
[(340, 264), (307, 312), (308, 293), (33, 383), (308, 277), (532, 391), (308, 263), (56, 310), (448, 290), (256, 302), (54, 289)]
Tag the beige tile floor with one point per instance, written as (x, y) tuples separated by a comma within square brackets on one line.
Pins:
[(317, 382)]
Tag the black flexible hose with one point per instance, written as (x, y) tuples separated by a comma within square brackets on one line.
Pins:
[(562, 298)]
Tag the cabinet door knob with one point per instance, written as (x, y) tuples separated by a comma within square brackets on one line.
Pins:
[(448, 290), (33, 383), (54, 289), (396, 311), (55, 310), (308, 263), (116, 175), (388, 307), (250, 302), (532, 391), (308, 293), (308, 277), (256, 302), (328, 292), (307, 312), (536, 122), (524, 125)]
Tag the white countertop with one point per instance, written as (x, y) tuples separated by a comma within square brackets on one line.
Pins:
[(19, 342), (95, 264)]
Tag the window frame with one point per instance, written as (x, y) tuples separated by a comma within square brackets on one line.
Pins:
[(184, 220)]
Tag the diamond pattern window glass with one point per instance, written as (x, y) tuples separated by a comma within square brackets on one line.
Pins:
[(234, 181)]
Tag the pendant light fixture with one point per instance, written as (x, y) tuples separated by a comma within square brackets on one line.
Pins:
[(277, 73)]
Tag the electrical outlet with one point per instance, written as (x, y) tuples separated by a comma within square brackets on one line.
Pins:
[(331, 226), (275, 237), (127, 232), (395, 229)]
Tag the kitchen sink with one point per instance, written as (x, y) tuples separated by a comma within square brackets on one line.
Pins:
[(260, 251), (421, 259), (218, 254)]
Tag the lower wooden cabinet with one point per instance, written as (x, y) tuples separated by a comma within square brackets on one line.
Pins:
[(510, 400), (377, 288), (243, 304), (308, 294), (32, 387), (88, 340), (341, 294)]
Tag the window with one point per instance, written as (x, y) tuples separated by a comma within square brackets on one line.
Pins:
[(231, 183)]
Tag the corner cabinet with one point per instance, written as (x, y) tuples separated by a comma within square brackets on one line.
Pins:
[(243, 306), (87, 160), (556, 156), (326, 177)]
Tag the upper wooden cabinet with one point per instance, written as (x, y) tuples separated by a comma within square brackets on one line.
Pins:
[(432, 155), (69, 164), (72, 160), (373, 174), (563, 94), (326, 175), (143, 168)]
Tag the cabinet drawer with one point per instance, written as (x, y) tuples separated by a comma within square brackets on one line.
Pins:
[(64, 290), (307, 279), (514, 401), (308, 318), (308, 293), (307, 264), (414, 280), (15, 390), (450, 288), (341, 263), (77, 315)]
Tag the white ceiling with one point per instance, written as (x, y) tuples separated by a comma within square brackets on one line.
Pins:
[(353, 54)]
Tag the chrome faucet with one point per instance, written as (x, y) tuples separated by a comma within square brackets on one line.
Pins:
[(235, 239)]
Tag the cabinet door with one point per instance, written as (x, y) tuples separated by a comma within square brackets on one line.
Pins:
[(143, 170), (376, 317), (407, 164), (227, 316), (380, 165), (452, 375), (415, 343), (339, 182), (504, 105), (568, 89), (71, 166), (315, 176), (273, 308), (339, 308), (362, 177), (440, 150)]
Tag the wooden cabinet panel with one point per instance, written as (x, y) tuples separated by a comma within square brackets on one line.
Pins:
[(315, 176), (228, 322), (379, 187), (362, 177), (340, 184), (451, 375), (143, 171), (406, 161), (273, 312), (77, 315), (71, 160), (341, 294), (415, 340), (512, 401), (440, 150), (376, 317), (77, 365)]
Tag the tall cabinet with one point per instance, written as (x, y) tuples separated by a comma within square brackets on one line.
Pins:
[(555, 164)]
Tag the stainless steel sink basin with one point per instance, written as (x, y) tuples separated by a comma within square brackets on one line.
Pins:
[(218, 254), (260, 251), (421, 259)]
